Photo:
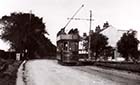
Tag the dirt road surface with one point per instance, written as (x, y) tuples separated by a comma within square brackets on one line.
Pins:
[(49, 72)]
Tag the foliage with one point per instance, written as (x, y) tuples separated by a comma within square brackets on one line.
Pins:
[(46, 48), (24, 31), (128, 45), (85, 40), (73, 31), (8, 71), (107, 52), (98, 43)]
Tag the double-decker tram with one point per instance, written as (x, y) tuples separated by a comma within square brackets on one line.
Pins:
[(67, 48)]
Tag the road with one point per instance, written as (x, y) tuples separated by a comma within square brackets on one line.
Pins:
[(48, 72), (116, 76)]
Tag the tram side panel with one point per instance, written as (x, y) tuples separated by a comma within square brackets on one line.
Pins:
[(59, 51)]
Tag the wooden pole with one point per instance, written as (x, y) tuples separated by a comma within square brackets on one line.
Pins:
[(89, 45)]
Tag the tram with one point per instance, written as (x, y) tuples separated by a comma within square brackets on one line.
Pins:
[(67, 48)]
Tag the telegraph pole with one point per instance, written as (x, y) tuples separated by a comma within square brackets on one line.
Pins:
[(89, 45), (90, 23)]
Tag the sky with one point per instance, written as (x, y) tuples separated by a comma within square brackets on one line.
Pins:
[(122, 14)]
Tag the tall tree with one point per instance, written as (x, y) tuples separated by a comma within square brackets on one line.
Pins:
[(46, 48), (98, 44), (21, 31), (128, 45)]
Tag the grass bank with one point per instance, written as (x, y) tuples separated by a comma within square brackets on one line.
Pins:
[(8, 71), (129, 66)]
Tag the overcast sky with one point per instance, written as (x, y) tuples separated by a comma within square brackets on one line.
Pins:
[(122, 14)]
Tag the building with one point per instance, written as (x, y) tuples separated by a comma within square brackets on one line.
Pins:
[(114, 35)]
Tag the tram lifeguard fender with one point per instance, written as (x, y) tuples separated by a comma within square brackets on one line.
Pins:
[(68, 37)]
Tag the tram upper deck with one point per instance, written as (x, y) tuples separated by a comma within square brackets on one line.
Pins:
[(63, 37)]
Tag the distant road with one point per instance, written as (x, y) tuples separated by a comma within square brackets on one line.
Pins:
[(118, 77), (48, 72)]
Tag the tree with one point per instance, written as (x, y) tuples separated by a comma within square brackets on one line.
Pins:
[(23, 32), (85, 40), (128, 45), (46, 48), (98, 44), (107, 52), (73, 31)]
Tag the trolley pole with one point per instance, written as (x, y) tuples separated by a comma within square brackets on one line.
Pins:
[(89, 45)]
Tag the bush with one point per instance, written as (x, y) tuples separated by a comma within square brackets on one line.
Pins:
[(8, 70)]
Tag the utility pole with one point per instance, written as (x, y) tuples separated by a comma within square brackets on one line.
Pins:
[(89, 45), (90, 24)]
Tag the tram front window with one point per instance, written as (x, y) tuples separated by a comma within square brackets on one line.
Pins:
[(66, 46), (73, 46)]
